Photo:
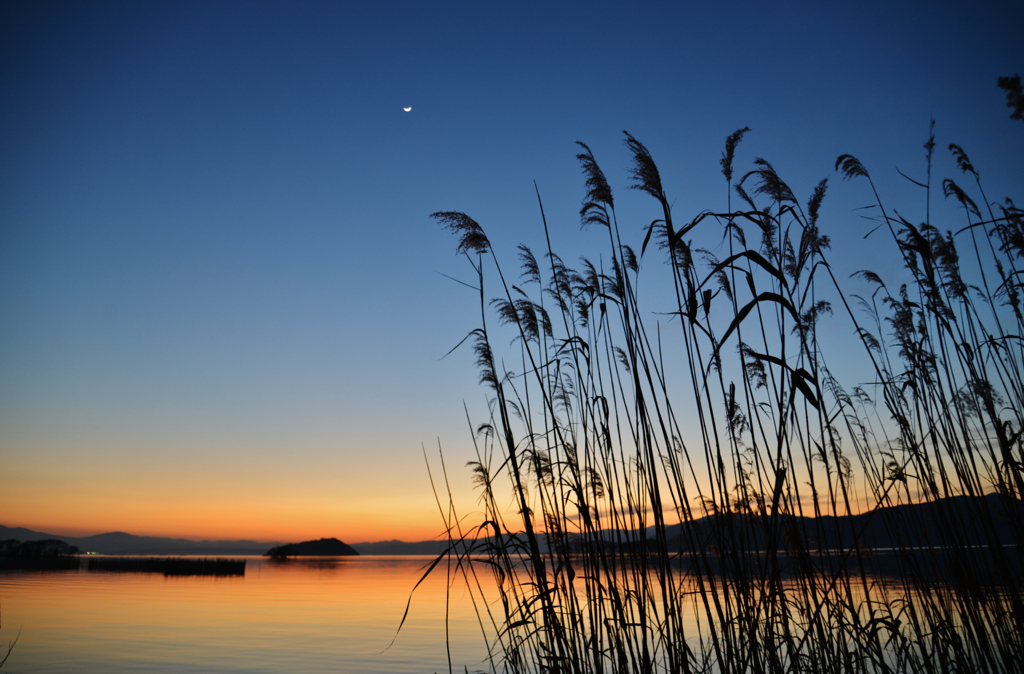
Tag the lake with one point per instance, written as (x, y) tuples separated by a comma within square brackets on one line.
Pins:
[(308, 615), (341, 615)]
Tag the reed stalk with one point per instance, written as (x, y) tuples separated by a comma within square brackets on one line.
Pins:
[(748, 513)]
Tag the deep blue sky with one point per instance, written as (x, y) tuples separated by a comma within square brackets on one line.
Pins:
[(218, 277)]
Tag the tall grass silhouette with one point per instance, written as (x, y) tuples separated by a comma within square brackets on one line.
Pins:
[(724, 520)]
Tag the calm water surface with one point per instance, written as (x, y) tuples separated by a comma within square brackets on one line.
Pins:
[(315, 615)]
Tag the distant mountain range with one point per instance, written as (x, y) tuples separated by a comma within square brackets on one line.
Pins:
[(120, 543), (961, 520), (915, 525), (394, 547)]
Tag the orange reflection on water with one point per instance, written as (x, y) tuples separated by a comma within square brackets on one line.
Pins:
[(307, 615)]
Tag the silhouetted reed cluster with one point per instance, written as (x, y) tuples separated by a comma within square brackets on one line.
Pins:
[(723, 514)]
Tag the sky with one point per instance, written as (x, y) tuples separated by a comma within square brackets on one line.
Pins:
[(223, 304)]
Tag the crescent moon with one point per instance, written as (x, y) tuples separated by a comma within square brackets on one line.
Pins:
[(409, 109)]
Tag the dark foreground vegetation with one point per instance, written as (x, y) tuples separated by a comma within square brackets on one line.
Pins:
[(601, 446)]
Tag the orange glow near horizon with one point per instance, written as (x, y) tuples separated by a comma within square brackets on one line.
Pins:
[(211, 493), (276, 520), (269, 523), (406, 511), (409, 532), (261, 498)]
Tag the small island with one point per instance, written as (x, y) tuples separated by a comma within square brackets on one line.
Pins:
[(50, 554), (325, 547)]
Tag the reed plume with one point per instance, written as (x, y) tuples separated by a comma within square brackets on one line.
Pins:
[(749, 512)]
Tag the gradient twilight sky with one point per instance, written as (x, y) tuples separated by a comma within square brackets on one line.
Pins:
[(220, 307)]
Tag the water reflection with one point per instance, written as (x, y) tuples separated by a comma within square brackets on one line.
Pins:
[(311, 615), (322, 563), (307, 614)]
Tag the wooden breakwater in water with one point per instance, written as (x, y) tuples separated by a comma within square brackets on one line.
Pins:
[(169, 566), (56, 563)]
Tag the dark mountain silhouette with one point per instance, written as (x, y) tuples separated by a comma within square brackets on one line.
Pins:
[(973, 520), (396, 547), (325, 547), (49, 547), (915, 525), (120, 543)]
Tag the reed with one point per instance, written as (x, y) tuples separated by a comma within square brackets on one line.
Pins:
[(10, 644), (722, 517)]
